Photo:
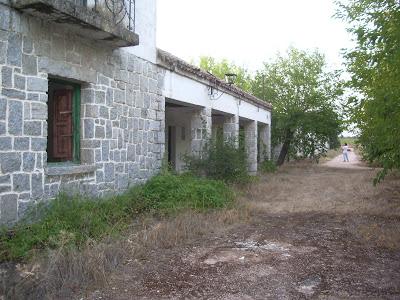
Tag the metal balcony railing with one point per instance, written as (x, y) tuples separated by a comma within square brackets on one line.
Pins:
[(110, 21), (118, 11)]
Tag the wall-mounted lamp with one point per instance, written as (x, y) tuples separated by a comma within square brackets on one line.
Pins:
[(213, 91), (230, 78)]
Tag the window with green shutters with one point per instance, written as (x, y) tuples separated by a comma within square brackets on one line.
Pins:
[(63, 143)]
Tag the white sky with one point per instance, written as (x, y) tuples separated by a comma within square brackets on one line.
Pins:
[(249, 32)]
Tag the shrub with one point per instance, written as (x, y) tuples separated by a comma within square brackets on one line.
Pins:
[(267, 166), (220, 160), (172, 192), (71, 221)]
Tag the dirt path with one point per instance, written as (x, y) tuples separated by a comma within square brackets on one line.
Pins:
[(314, 232), (353, 163)]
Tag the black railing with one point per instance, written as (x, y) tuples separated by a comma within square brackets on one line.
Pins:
[(118, 11)]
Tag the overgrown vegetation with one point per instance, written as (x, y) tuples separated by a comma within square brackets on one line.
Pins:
[(62, 272), (169, 192), (222, 67), (267, 166), (71, 221), (304, 95), (221, 160), (374, 64)]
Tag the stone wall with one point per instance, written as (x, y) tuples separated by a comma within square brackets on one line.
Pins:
[(200, 125), (122, 114), (264, 133), (250, 133), (231, 129)]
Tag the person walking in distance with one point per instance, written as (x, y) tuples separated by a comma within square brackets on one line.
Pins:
[(345, 154)]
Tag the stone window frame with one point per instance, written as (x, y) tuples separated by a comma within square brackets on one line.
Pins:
[(76, 121)]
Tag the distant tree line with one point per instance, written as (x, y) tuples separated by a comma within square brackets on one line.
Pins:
[(304, 95), (308, 108)]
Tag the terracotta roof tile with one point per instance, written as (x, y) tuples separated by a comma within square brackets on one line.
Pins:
[(173, 63)]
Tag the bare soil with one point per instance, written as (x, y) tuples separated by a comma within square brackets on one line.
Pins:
[(313, 232)]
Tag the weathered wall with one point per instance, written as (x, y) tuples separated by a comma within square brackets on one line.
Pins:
[(200, 129), (180, 118), (146, 15), (193, 92), (231, 128), (264, 134), (190, 91), (250, 133), (122, 113)]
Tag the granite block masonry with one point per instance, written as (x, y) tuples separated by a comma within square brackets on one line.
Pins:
[(200, 125), (122, 114), (264, 132), (114, 131), (231, 129), (251, 134)]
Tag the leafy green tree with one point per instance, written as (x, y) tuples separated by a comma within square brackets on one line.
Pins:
[(374, 64), (303, 95), (222, 67)]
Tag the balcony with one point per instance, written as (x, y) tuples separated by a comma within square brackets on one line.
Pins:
[(109, 21)]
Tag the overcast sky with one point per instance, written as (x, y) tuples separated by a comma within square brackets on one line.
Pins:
[(249, 32)]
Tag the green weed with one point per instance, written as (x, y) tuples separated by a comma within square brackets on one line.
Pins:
[(221, 160), (71, 221), (267, 166), (174, 192)]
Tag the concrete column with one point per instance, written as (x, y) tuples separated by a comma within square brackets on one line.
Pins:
[(250, 132), (231, 129), (265, 141), (200, 125)]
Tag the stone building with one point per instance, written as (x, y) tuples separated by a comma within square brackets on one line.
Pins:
[(88, 104)]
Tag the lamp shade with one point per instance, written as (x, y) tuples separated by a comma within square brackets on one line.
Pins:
[(230, 78)]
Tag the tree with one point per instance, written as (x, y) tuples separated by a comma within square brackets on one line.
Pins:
[(303, 96), (374, 64), (220, 68)]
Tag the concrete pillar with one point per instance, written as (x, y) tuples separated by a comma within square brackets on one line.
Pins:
[(265, 141), (250, 133), (231, 129), (200, 125)]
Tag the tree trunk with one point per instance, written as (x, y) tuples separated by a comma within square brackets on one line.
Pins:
[(285, 148)]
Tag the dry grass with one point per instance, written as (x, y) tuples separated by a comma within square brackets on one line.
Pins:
[(65, 271), (384, 235), (184, 228), (304, 187), (330, 154), (62, 273), (296, 188)]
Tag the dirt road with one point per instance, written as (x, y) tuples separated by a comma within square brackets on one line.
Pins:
[(313, 232), (353, 163)]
